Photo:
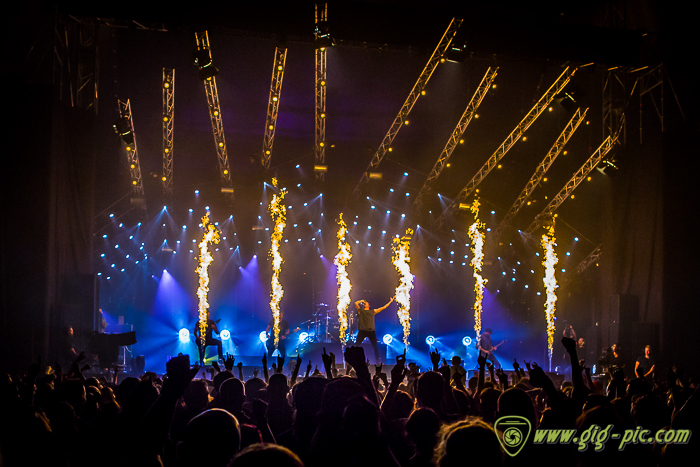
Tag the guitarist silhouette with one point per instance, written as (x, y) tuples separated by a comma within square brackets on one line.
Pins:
[(485, 345)]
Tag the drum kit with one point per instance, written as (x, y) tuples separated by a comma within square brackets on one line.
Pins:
[(324, 326)]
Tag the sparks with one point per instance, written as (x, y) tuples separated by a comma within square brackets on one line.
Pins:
[(550, 283), (278, 212), (401, 260), (342, 259), (477, 242), (211, 235)]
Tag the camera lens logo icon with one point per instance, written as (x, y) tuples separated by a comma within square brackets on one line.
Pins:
[(512, 437), (513, 431)]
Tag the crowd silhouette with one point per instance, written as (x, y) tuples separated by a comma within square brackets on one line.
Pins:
[(338, 416)]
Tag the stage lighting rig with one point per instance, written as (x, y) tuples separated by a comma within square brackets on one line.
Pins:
[(456, 136), (125, 128), (203, 54), (168, 117), (202, 58), (322, 36), (273, 105), (417, 91), (540, 171), (579, 176), (509, 142)]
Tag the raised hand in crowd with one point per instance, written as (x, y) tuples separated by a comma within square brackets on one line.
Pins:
[(229, 361), (280, 364), (308, 370), (255, 372), (327, 362), (435, 359), (215, 366), (239, 365), (295, 371), (266, 371)]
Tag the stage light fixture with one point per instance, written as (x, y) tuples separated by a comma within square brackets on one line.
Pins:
[(263, 336), (225, 335), (184, 335), (466, 341), (303, 336), (387, 339), (430, 340)]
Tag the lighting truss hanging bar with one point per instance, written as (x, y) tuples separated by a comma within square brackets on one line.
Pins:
[(580, 174), (509, 142), (131, 150), (321, 13), (168, 114), (615, 100), (273, 105), (590, 259), (435, 59), (459, 130), (540, 171), (215, 116)]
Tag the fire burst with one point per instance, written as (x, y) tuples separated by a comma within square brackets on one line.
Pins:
[(550, 283), (477, 238), (211, 235), (342, 259), (278, 212), (400, 260)]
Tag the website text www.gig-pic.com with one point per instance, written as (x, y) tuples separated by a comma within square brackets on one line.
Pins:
[(597, 437), (514, 431)]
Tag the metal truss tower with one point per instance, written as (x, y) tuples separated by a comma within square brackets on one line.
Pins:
[(321, 12), (76, 62), (590, 259), (418, 89), (564, 193), (540, 171), (131, 149), (615, 100), (459, 130), (273, 104), (509, 142), (215, 115), (168, 114)]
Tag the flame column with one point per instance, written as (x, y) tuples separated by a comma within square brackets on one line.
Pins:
[(278, 213), (550, 284), (211, 235), (342, 259), (401, 260), (477, 238)]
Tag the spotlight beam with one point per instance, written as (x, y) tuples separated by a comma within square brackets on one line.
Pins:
[(509, 142), (540, 171), (459, 130), (433, 62)]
